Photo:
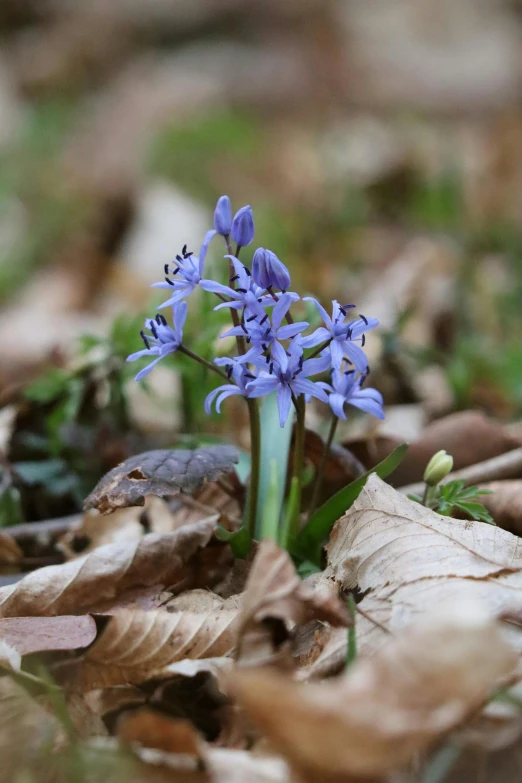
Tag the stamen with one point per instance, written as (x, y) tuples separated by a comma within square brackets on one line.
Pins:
[(271, 368), (300, 365), (249, 339), (166, 268), (252, 318), (267, 358), (177, 269), (244, 328), (162, 318), (144, 338), (363, 340), (266, 335), (169, 281), (152, 327), (262, 321), (247, 270), (250, 375), (349, 333), (158, 319), (179, 259), (363, 317), (229, 369), (236, 277), (242, 290)]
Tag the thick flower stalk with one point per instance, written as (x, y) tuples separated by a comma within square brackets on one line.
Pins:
[(275, 354)]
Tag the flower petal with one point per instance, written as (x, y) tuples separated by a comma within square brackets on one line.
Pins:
[(337, 402), (290, 330), (322, 312), (146, 370), (284, 401)]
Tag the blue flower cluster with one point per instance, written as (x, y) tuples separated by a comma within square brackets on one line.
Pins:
[(274, 355)]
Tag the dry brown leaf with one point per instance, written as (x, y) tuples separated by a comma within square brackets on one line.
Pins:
[(469, 436), (275, 602), (154, 730), (137, 646), (210, 499), (407, 558), (388, 707), (175, 560), (122, 526), (10, 552), (505, 504), (43, 634)]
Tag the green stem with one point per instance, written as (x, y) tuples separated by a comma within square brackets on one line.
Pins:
[(255, 465), (202, 361), (428, 496), (298, 462), (322, 465)]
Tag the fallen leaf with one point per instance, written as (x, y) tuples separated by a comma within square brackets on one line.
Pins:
[(505, 504), (10, 658), (44, 634), (95, 530), (153, 730), (207, 501), (405, 558), (137, 646), (469, 436), (10, 552), (388, 707), (176, 560), (161, 472), (276, 600)]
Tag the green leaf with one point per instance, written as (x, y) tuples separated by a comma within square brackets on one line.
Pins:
[(476, 511), (351, 652), (310, 540), (48, 387), (240, 541), (271, 509), (415, 498), (10, 507), (40, 472), (306, 568), (275, 445)]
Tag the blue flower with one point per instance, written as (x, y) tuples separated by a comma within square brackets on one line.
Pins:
[(237, 370), (288, 375), (268, 271), (243, 226), (162, 340), (264, 331), (223, 216), (346, 389), (344, 336), (186, 274), (246, 295)]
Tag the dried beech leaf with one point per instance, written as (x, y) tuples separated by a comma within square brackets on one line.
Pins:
[(43, 634), (137, 646), (469, 436), (153, 730), (388, 707), (408, 558), (275, 602), (95, 530), (177, 560), (10, 552), (505, 504), (210, 499), (10, 658), (161, 472)]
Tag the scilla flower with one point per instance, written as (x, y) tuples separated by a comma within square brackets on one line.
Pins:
[(243, 226), (162, 340), (239, 375), (186, 273), (223, 216), (268, 271), (345, 389), (344, 336)]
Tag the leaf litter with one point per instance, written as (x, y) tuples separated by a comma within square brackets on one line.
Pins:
[(169, 656)]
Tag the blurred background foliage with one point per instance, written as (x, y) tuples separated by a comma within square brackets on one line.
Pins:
[(379, 144)]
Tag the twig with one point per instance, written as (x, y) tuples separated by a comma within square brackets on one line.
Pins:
[(508, 465), (51, 527)]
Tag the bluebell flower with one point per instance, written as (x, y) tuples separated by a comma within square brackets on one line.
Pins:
[(268, 271), (223, 216), (243, 226), (264, 331), (345, 389), (288, 375), (344, 336), (162, 340), (246, 295), (239, 372), (186, 273)]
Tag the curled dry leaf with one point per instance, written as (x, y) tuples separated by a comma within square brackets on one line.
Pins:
[(275, 601), (176, 560), (388, 707), (10, 552), (137, 646), (505, 504), (43, 634), (161, 472), (96, 530), (469, 436), (153, 730), (406, 558)]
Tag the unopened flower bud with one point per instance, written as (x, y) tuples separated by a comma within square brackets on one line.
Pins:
[(223, 216), (243, 226), (438, 468), (268, 270)]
